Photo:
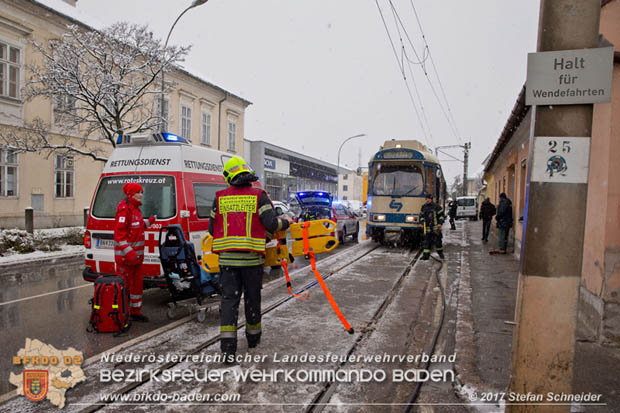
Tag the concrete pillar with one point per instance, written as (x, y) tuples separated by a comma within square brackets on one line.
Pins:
[(544, 340)]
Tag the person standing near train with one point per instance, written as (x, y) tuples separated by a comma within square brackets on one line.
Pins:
[(432, 217), (452, 212)]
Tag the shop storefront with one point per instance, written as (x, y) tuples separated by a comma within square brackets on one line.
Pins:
[(283, 172)]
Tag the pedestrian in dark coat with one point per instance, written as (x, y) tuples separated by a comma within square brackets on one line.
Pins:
[(452, 212), (487, 211), (504, 221)]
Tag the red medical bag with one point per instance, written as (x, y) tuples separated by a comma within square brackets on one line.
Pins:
[(110, 309)]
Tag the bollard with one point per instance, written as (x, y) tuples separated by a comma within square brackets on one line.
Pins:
[(29, 215), (86, 211)]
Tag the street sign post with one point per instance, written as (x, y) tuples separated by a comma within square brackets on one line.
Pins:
[(569, 77)]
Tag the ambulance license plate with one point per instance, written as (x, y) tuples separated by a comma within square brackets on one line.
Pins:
[(107, 244)]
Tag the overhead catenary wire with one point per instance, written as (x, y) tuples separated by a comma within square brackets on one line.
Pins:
[(412, 77), (415, 12), (402, 71), (439, 102)]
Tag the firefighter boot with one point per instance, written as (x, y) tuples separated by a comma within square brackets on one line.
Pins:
[(426, 256), (440, 254)]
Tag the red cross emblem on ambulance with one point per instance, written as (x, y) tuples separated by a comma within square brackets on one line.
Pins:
[(151, 243)]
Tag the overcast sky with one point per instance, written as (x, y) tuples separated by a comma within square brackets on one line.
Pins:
[(319, 71)]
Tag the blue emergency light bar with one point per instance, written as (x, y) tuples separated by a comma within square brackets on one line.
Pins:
[(150, 139)]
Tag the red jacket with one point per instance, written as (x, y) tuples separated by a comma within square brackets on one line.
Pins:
[(237, 225), (129, 233)]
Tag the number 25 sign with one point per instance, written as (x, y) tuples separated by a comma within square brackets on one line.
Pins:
[(561, 159)]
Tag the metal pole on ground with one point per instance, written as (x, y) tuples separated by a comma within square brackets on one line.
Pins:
[(29, 216), (544, 339)]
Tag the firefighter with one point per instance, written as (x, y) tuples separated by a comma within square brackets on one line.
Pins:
[(129, 246), (432, 218), (241, 216)]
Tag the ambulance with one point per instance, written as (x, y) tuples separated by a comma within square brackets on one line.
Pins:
[(179, 180)]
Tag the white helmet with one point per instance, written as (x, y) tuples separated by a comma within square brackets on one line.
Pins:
[(450, 199)]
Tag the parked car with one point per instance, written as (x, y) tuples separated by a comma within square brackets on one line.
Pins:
[(347, 222), (283, 209)]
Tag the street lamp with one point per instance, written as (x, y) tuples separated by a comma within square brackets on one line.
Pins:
[(195, 3), (339, 149)]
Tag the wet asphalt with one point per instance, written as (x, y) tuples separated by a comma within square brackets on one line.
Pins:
[(51, 303)]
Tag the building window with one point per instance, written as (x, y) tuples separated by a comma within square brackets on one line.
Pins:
[(63, 105), (9, 70), (63, 171), (344, 198), (8, 172), (232, 135), (205, 135), (345, 177), (186, 122), (164, 115), (345, 188)]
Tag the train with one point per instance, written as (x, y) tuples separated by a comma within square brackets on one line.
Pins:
[(400, 175)]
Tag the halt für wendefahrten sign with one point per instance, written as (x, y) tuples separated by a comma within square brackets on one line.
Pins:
[(569, 77)]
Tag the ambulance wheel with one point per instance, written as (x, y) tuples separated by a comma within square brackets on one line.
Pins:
[(356, 236), (344, 235), (170, 313), (201, 316)]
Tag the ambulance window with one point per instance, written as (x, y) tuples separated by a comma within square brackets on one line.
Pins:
[(159, 195), (204, 195)]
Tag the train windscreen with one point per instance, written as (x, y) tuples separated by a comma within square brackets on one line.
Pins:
[(398, 180)]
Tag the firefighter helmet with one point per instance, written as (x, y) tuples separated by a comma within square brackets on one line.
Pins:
[(234, 166)]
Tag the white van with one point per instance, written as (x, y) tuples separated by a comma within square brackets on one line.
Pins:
[(467, 207)]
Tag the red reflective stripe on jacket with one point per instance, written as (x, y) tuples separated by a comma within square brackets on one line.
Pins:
[(232, 223), (129, 228)]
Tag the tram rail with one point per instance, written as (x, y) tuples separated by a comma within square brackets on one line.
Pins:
[(214, 340)]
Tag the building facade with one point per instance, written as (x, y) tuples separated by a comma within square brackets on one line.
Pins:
[(349, 185), (283, 172), (505, 171), (59, 186)]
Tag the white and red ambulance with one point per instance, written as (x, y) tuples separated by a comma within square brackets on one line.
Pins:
[(179, 181)]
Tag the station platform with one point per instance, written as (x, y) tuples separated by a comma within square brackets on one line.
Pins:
[(398, 356)]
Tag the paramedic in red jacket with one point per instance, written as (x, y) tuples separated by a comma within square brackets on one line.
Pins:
[(241, 216), (129, 246)]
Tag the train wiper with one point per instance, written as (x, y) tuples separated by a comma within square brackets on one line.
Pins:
[(409, 191)]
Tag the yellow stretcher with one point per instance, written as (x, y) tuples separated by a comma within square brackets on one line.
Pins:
[(309, 238), (319, 240)]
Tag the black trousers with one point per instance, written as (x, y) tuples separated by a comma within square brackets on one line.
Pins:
[(234, 281), (486, 227), (431, 238), (452, 226)]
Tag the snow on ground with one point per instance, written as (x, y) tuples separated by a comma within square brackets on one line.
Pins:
[(48, 233), (65, 251)]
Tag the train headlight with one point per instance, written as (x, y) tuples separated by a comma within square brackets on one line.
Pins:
[(378, 217), (411, 218)]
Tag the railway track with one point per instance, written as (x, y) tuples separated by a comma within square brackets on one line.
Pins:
[(214, 340), (401, 263)]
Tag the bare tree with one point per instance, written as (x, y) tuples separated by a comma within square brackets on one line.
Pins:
[(101, 83)]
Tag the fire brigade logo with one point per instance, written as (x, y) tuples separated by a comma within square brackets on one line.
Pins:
[(35, 384)]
